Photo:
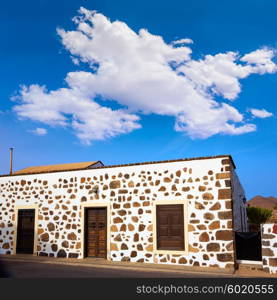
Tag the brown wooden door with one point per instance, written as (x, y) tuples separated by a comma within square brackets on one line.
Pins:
[(25, 231), (170, 227), (96, 232)]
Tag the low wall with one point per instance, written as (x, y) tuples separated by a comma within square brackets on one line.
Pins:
[(269, 247)]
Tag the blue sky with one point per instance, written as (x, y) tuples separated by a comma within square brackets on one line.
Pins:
[(32, 52)]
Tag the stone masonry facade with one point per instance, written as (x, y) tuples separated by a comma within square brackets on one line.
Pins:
[(205, 186), (269, 247)]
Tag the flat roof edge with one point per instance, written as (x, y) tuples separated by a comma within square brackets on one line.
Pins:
[(127, 165)]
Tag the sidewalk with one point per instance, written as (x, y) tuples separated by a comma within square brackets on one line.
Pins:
[(103, 263)]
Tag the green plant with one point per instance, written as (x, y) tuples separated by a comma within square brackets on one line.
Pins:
[(275, 206), (258, 215)]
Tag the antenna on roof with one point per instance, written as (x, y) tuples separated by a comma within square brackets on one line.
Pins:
[(11, 161)]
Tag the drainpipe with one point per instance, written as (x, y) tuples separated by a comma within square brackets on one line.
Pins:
[(11, 161)]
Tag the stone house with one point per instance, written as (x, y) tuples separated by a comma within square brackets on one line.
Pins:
[(182, 212)]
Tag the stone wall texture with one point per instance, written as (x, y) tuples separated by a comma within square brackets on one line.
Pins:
[(204, 186), (269, 247)]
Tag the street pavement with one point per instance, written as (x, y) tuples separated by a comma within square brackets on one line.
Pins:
[(30, 266), (11, 267)]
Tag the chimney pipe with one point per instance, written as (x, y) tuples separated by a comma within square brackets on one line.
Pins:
[(11, 161)]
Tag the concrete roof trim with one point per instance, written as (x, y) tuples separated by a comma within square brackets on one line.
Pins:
[(128, 165)]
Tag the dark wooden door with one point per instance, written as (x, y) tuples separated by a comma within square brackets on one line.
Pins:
[(170, 227), (96, 232), (25, 231)]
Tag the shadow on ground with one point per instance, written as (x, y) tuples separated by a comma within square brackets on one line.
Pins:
[(4, 273)]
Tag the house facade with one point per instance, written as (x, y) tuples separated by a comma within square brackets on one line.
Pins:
[(181, 212)]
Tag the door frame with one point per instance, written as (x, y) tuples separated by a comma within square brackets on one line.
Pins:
[(83, 224), (23, 207)]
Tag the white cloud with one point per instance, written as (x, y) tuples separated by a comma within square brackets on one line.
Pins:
[(144, 75), (39, 131), (182, 41), (261, 61), (219, 73), (69, 108), (260, 113)]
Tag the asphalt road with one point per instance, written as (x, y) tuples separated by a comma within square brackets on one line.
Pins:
[(20, 269)]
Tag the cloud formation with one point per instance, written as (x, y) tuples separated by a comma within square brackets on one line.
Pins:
[(144, 75), (39, 131), (183, 41), (260, 113)]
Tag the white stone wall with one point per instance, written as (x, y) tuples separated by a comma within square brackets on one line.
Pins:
[(131, 193), (269, 247)]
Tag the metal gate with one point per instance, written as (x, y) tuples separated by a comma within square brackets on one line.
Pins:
[(248, 246)]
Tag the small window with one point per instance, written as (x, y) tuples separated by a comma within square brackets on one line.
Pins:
[(170, 227)]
